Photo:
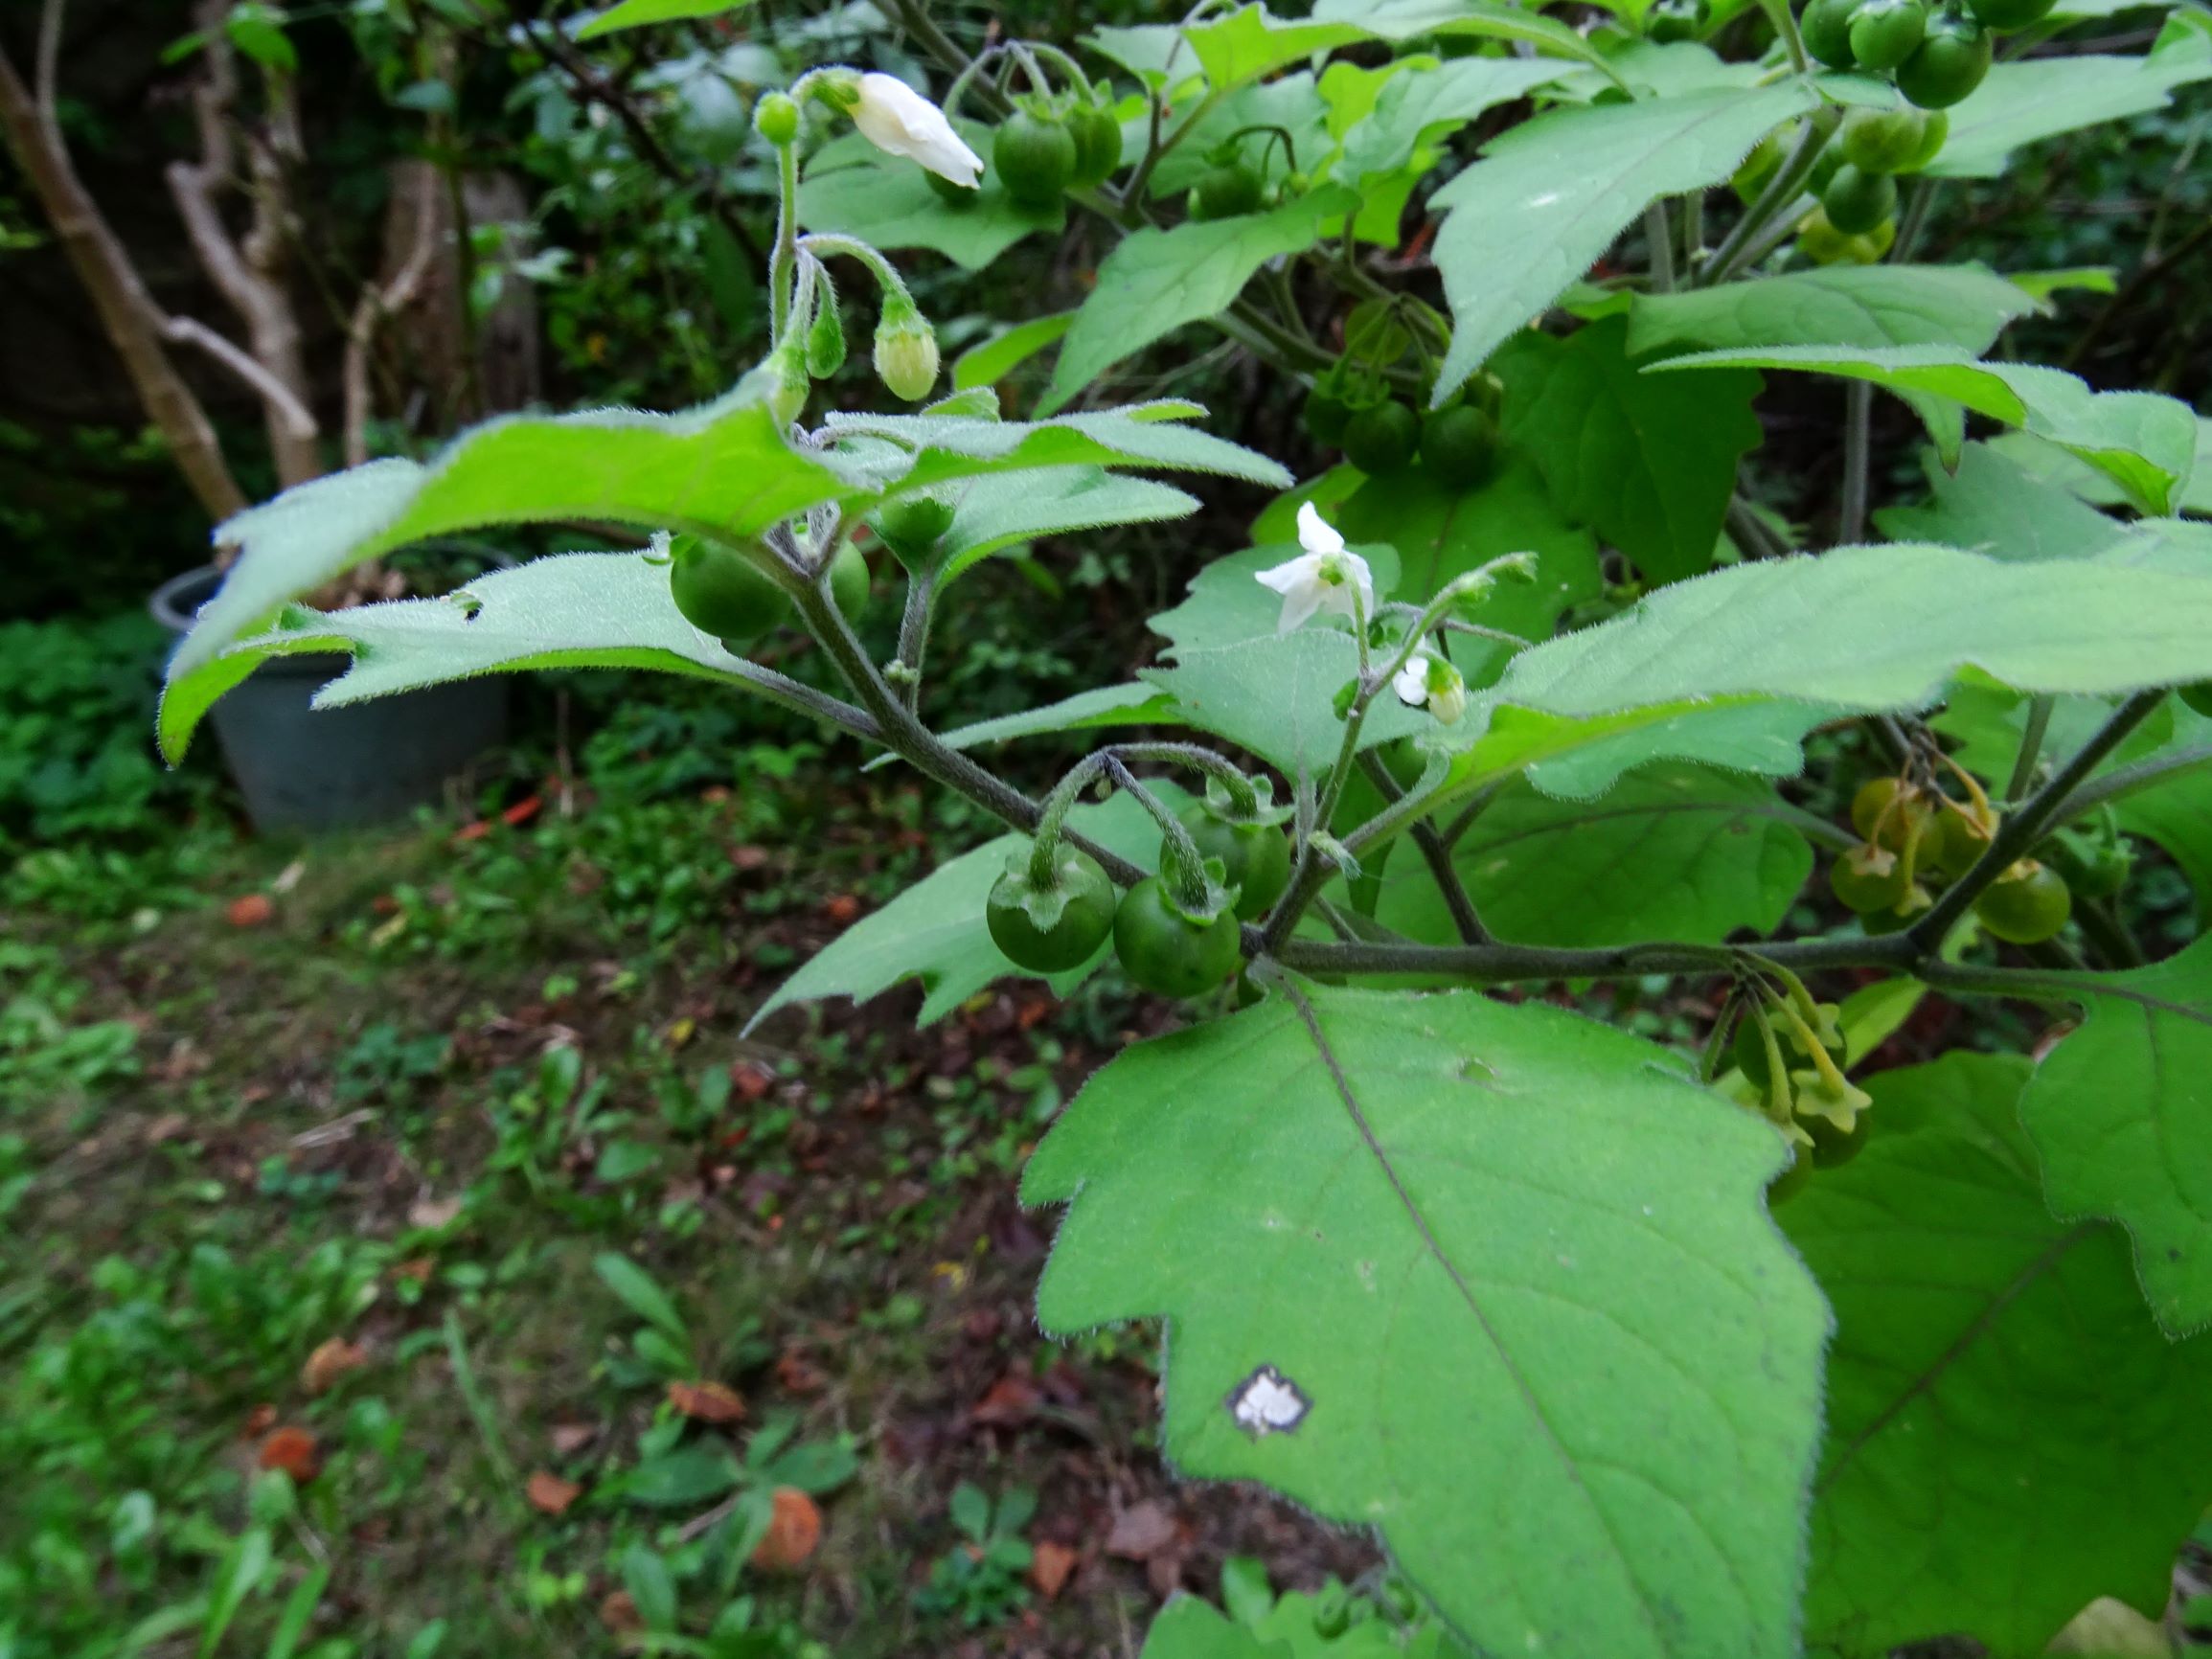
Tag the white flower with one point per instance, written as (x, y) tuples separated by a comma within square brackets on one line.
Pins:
[(1428, 678), (894, 117), (1327, 577)]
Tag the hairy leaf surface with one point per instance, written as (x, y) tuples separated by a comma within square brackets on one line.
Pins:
[(1499, 1280)]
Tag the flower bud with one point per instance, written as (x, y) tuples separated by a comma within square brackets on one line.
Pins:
[(826, 338), (776, 119), (789, 384), (906, 354)]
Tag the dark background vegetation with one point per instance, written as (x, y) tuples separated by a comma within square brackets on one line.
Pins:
[(402, 1091)]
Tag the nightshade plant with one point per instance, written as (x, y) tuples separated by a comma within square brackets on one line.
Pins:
[(1620, 1349)]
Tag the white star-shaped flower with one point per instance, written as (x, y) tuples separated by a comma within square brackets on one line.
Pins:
[(1328, 576), (894, 117), (1426, 678)]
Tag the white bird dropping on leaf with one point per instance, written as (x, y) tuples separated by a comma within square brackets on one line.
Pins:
[(1327, 577), (894, 117)]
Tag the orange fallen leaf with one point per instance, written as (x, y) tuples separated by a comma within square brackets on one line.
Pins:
[(799, 1375), (570, 1438), (252, 910), (619, 1613), (844, 910), (294, 1451), (549, 1494), (331, 1359), (1049, 1567), (794, 1528), (261, 1419), (707, 1402)]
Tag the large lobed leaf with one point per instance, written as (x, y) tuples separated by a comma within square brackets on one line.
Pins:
[(2122, 1114), (1504, 1274), (2146, 444), (722, 470), (2009, 1435), (1672, 851), (1648, 464), (1865, 306), (1549, 197)]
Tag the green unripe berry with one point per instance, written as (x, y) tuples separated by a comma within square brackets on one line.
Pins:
[(1885, 33), (723, 590), (1381, 439), (849, 580), (1856, 201), (1883, 141)]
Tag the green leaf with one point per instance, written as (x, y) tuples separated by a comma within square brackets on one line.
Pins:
[(951, 447), (934, 931), (1156, 280), (693, 1474), (1135, 704), (995, 358), (996, 513), (2144, 442), (2049, 463), (1462, 1248), (1730, 668), (1867, 305), (2121, 1119), (636, 1290), (259, 31), (241, 1572), (888, 201), (1672, 851), (1549, 198), (1989, 504), (1401, 20), (1249, 42), (637, 13), (2009, 1436), (2026, 100), (299, 1612), (1651, 474), (1417, 107), (1188, 1628), (652, 1588)]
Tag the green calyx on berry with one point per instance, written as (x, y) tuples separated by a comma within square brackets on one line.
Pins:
[(912, 526), (724, 591), (1167, 950), (2029, 903), (1255, 854), (1952, 59), (1381, 439), (1226, 190), (1034, 154), (1869, 878), (1054, 924), (1098, 141)]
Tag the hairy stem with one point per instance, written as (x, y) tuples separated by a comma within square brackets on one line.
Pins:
[(1465, 918), (1857, 422)]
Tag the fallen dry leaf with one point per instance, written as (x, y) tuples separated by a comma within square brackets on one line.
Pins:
[(434, 1212), (794, 1528), (844, 910), (549, 1494), (1008, 1403), (331, 1359), (707, 1402), (799, 1375), (260, 1419), (294, 1451), (1049, 1567), (619, 1613), (252, 910), (1141, 1530), (570, 1438)]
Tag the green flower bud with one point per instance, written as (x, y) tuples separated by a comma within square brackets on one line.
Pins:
[(826, 338), (791, 385), (776, 119), (906, 353)]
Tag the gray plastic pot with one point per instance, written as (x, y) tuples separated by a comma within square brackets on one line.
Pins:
[(307, 769)]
